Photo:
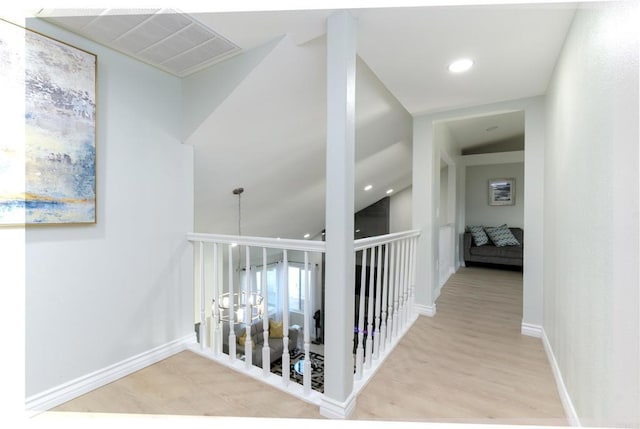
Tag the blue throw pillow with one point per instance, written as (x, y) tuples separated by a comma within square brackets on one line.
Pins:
[(502, 236), (479, 236)]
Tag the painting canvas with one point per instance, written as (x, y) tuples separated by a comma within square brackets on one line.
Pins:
[(58, 157), (501, 192)]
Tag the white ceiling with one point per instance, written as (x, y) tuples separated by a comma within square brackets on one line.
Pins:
[(514, 49), (403, 58), (469, 132), (514, 46)]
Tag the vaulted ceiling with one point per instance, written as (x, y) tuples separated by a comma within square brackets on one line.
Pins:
[(266, 133)]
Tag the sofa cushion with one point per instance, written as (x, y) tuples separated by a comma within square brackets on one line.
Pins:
[(257, 336), (275, 329), (502, 236), (479, 235), (242, 338)]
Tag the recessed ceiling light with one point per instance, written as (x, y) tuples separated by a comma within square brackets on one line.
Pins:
[(389, 191), (491, 128), (460, 66), (368, 187), (307, 235)]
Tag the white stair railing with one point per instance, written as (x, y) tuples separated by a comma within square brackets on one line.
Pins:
[(386, 297), (385, 308), (226, 308)]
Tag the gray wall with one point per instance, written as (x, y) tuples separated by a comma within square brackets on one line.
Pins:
[(478, 210)]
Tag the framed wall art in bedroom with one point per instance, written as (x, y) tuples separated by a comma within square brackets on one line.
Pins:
[(49, 177)]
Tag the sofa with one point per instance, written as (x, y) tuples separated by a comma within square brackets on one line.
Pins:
[(491, 254), (257, 336)]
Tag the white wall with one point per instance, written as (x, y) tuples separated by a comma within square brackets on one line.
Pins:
[(591, 254), (202, 92), (477, 208), (400, 211), (99, 294)]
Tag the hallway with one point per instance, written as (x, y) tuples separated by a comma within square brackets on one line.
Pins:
[(468, 364)]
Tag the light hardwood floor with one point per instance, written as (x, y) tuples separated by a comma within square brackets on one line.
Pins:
[(468, 364)]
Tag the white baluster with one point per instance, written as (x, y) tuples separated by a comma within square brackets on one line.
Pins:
[(232, 315), (369, 349), (392, 270), (407, 281), (378, 298), (203, 322), (363, 286), (217, 326), (286, 361), (248, 312), (413, 275), (396, 289), (306, 373), (266, 351), (403, 275), (385, 291)]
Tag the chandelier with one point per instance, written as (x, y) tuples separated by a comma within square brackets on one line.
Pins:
[(236, 305)]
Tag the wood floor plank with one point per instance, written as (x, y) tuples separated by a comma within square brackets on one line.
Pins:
[(468, 364)]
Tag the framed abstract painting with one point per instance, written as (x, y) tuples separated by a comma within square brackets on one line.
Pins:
[(58, 155), (502, 192)]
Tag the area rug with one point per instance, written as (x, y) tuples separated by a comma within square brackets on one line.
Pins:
[(317, 369)]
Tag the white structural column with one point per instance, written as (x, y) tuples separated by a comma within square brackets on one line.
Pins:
[(424, 214), (533, 269), (338, 400)]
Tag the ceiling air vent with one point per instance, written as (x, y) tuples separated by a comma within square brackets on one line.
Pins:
[(164, 38)]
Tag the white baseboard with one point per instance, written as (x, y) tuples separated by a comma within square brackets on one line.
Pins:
[(332, 409), (436, 294), (65, 392), (426, 310), (567, 404), (531, 330)]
